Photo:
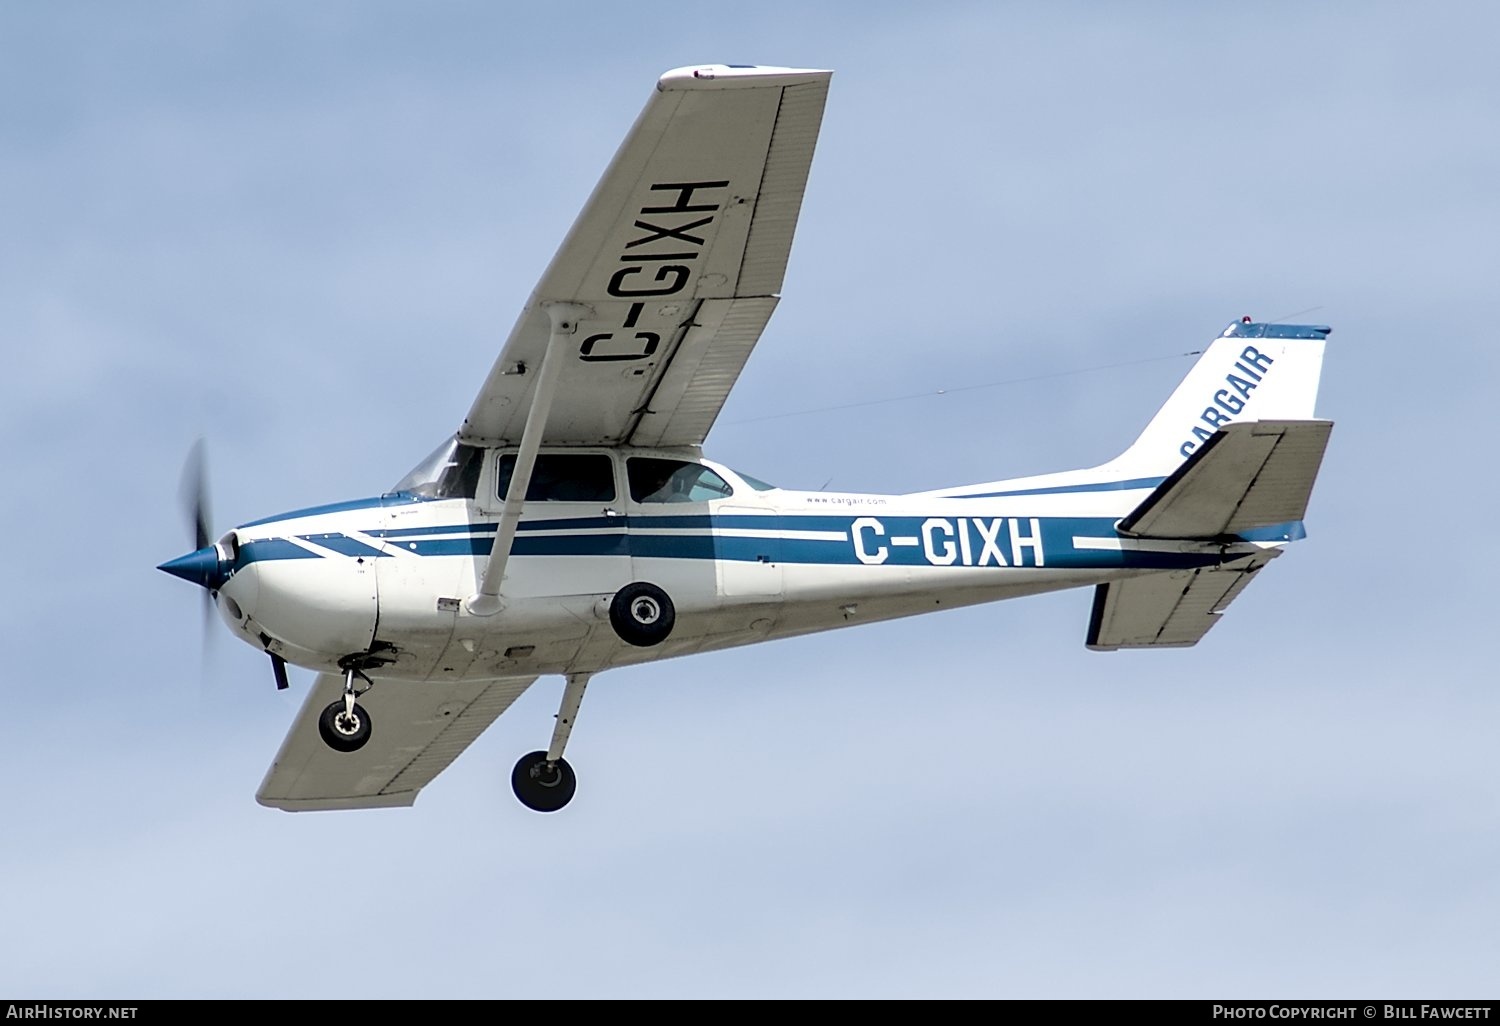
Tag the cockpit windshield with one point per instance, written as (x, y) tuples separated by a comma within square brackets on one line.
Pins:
[(451, 472)]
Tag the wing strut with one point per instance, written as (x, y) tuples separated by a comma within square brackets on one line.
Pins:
[(564, 317)]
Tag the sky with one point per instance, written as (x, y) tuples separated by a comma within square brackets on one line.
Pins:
[(301, 232)]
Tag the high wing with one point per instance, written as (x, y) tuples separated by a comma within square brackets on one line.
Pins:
[(423, 728), (676, 259)]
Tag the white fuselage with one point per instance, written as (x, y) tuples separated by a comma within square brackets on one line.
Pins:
[(388, 576)]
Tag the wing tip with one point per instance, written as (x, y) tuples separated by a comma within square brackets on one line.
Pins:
[(736, 76)]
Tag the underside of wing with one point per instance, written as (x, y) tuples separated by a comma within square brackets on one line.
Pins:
[(677, 258), (1171, 609), (418, 730)]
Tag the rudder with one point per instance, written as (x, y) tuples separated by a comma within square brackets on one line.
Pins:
[(1250, 372)]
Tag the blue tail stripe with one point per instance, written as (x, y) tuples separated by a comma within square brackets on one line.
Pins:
[(1095, 486)]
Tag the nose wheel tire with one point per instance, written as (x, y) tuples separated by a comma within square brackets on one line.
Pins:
[(642, 614), (543, 786), (341, 732)]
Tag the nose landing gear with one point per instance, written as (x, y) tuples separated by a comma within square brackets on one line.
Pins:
[(344, 725)]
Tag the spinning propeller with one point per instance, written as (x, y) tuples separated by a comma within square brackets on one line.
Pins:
[(193, 494), (206, 566)]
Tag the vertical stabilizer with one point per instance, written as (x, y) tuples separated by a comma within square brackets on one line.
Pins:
[(1250, 372)]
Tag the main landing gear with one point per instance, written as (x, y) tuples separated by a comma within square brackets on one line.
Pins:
[(543, 781), (642, 614), (543, 784), (345, 725)]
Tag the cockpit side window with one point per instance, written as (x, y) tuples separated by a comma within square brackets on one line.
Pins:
[(655, 480), (563, 477)]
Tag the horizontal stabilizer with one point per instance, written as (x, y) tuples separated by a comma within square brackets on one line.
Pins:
[(1245, 476), (1168, 610)]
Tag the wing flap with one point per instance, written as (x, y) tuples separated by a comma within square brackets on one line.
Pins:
[(1168, 610), (1247, 475), (418, 729), (699, 205), (702, 371)]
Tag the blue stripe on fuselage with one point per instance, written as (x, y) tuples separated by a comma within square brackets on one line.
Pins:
[(895, 540), (1095, 486), (342, 544), (270, 549), (393, 499)]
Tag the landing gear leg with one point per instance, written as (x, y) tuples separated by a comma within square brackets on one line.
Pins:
[(344, 725), (543, 781)]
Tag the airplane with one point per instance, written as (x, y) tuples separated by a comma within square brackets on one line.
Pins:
[(572, 523)]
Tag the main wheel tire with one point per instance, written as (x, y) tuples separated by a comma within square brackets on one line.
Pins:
[(642, 614), (540, 787), (344, 734)]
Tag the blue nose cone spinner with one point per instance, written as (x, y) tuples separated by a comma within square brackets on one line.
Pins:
[(202, 568)]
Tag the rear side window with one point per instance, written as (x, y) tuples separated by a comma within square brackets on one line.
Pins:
[(563, 477), (653, 480)]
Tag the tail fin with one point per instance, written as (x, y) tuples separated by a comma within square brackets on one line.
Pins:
[(1250, 372)]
